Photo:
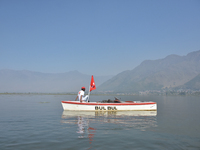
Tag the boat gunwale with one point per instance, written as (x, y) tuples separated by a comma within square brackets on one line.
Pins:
[(108, 104)]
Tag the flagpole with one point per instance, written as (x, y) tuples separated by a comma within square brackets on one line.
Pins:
[(88, 94), (91, 86)]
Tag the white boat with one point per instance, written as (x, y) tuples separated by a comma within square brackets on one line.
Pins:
[(109, 106)]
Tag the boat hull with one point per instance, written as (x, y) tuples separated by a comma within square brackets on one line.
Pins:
[(97, 106)]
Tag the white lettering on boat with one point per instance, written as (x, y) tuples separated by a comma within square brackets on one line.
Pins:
[(103, 108)]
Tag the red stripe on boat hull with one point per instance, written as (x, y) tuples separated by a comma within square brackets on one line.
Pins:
[(105, 104)]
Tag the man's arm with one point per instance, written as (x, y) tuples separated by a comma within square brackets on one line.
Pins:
[(81, 99), (76, 98)]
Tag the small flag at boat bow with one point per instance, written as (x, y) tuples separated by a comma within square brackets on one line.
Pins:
[(92, 84)]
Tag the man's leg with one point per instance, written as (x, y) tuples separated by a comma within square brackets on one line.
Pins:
[(85, 98)]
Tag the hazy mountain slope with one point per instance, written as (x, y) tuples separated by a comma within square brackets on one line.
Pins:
[(171, 71), (193, 84), (28, 81)]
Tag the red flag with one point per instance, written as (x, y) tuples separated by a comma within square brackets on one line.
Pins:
[(92, 84)]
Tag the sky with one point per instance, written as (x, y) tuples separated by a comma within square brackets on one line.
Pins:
[(95, 37)]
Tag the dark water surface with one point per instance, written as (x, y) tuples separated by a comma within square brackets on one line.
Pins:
[(30, 122)]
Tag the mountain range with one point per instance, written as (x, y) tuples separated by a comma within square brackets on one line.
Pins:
[(167, 73), (12, 81), (171, 72)]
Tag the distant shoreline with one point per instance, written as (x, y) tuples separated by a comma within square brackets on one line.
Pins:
[(37, 93), (197, 93), (47, 94)]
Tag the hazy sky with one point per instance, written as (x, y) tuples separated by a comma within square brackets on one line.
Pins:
[(99, 37)]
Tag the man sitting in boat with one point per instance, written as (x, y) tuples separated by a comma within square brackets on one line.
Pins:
[(81, 95)]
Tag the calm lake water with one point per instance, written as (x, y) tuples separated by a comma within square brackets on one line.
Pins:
[(29, 122)]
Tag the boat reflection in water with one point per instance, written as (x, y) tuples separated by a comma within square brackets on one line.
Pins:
[(88, 122)]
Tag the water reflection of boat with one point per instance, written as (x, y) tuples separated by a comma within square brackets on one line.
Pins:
[(89, 122), (82, 120), (108, 113), (134, 119)]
